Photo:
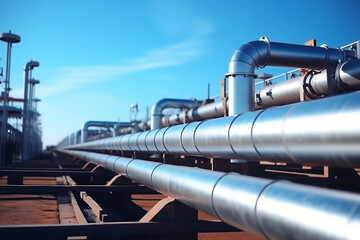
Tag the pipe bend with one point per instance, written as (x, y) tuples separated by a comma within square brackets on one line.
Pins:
[(254, 54), (173, 103), (30, 65), (156, 111)]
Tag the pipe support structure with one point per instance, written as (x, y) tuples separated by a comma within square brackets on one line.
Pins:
[(258, 54), (274, 209), (319, 132)]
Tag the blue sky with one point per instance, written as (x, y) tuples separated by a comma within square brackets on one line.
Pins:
[(97, 57)]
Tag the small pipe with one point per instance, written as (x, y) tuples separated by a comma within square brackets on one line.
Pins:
[(211, 110), (95, 124), (156, 111)]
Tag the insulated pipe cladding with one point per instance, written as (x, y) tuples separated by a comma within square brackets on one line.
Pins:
[(319, 132), (261, 53), (271, 208)]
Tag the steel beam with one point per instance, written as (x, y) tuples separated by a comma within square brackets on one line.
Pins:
[(11, 189), (107, 230)]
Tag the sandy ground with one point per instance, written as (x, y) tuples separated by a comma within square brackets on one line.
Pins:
[(42, 209), (29, 208)]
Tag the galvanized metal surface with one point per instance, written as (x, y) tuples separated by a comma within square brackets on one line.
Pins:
[(26, 149), (273, 209), (88, 124), (322, 132), (156, 111), (263, 53)]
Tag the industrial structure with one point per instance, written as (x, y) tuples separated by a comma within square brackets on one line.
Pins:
[(275, 156), (15, 140)]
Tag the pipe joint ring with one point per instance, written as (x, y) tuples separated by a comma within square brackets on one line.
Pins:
[(307, 87), (341, 85), (326, 58), (267, 41)]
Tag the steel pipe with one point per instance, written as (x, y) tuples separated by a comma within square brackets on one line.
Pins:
[(88, 124), (263, 53), (272, 209), (348, 75), (319, 132), (347, 78), (211, 110), (156, 111)]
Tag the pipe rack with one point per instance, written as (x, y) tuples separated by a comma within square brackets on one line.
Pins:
[(319, 132), (271, 208)]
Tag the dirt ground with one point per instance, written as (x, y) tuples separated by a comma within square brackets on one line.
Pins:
[(29, 208), (18, 209)]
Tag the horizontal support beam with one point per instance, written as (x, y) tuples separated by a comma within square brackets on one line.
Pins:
[(54, 173), (7, 189), (110, 230)]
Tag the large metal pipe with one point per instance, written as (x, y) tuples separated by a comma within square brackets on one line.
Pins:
[(271, 208), (157, 109), (348, 75), (318, 132), (88, 124), (347, 78), (261, 53)]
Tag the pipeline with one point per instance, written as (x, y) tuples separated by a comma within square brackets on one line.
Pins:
[(263, 53), (156, 111), (211, 110), (347, 78), (271, 208), (95, 124), (319, 132)]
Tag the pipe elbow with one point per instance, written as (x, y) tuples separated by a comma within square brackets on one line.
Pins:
[(159, 106), (249, 56), (30, 65), (156, 111)]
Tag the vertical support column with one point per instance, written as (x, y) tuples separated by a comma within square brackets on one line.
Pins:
[(9, 38), (27, 71)]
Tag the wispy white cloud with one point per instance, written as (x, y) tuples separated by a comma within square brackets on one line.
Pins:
[(62, 79), (193, 26)]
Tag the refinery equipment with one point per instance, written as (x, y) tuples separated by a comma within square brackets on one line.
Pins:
[(275, 156), (19, 143), (236, 153)]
